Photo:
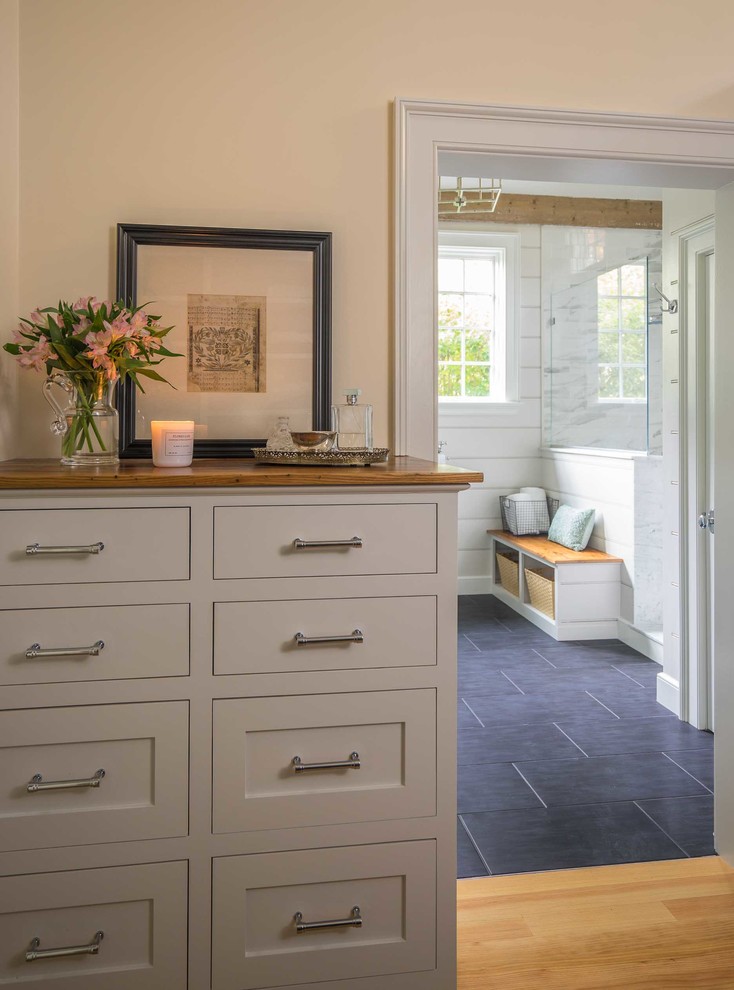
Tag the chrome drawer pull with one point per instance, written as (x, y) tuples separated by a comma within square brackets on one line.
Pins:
[(70, 950), (353, 763), (299, 544), (354, 921), (357, 636), (35, 651), (36, 550), (37, 783)]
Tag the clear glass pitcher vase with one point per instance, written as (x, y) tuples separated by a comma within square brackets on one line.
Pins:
[(87, 421)]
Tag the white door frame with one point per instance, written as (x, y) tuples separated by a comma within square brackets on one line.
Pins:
[(696, 243), (423, 128)]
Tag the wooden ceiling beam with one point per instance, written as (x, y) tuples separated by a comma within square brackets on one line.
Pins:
[(563, 211)]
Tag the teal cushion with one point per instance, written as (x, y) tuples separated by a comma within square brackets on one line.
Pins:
[(572, 527)]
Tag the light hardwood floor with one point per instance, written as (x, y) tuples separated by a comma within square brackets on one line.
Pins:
[(647, 926)]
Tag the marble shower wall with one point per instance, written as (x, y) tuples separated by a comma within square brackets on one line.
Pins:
[(571, 259), (648, 486)]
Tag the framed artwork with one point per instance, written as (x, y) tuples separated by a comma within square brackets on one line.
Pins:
[(251, 311)]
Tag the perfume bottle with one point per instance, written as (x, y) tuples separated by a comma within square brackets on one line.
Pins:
[(352, 422), (280, 438)]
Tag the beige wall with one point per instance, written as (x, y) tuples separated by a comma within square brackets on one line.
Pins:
[(277, 113), (9, 142)]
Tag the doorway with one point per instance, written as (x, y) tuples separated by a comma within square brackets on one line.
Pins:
[(614, 142)]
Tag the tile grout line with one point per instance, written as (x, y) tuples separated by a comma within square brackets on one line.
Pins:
[(602, 704), (474, 713), (530, 786), (501, 623), (472, 642), (543, 658), (512, 682), (686, 771), (571, 740), (627, 675), (658, 825), (478, 851)]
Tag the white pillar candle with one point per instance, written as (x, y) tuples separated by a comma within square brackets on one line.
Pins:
[(173, 442)]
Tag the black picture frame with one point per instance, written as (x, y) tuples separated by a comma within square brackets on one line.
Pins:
[(131, 235)]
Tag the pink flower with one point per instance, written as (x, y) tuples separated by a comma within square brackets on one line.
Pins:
[(37, 317), (119, 328), (139, 320), (82, 302), (132, 348), (58, 319), (37, 356)]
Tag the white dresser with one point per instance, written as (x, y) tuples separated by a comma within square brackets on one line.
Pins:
[(227, 736)]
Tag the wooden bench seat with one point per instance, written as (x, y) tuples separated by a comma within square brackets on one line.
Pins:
[(586, 586), (551, 552)]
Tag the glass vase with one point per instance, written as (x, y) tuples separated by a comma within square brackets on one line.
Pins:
[(87, 421)]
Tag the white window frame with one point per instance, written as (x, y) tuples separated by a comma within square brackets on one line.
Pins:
[(483, 242), (620, 365)]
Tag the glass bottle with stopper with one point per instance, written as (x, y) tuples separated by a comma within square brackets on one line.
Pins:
[(280, 438), (352, 421)]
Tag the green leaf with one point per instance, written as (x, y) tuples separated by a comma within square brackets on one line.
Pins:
[(12, 348)]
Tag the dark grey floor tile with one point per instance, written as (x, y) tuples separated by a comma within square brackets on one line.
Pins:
[(645, 674), (556, 683), (491, 682), (527, 710), (494, 787), (688, 821), (601, 779), (468, 861), (506, 658), (635, 703), (634, 735), (513, 743), (567, 838), (574, 652), (698, 762)]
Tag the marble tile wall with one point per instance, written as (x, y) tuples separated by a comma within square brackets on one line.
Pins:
[(648, 488)]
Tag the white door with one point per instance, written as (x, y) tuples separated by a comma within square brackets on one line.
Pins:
[(723, 416)]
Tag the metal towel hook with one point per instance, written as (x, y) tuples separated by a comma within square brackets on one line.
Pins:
[(672, 304)]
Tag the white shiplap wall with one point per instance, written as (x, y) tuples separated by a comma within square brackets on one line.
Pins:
[(504, 441)]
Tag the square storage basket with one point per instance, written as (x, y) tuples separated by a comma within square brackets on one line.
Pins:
[(541, 591), (527, 518), (509, 569)]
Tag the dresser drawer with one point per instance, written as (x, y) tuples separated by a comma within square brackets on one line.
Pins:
[(256, 900), (324, 634), (53, 645), (98, 545), (141, 911), (262, 541), (142, 749), (258, 784)]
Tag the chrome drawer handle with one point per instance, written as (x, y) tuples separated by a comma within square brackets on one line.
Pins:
[(36, 550), (35, 651), (353, 921), (68, 950), (353, 763), (37, 783), (299, 544), (357, 636)]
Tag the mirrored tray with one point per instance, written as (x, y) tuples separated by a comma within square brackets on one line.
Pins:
[(324, 458)]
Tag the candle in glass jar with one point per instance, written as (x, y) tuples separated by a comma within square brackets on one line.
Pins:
[(173, 442)]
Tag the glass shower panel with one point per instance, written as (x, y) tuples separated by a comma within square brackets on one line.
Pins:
[(598, 380)]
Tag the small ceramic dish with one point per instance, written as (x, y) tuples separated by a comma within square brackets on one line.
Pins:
[(314, 440)]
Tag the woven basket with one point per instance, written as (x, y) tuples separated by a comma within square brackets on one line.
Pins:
[(509, 569), (541, 592)]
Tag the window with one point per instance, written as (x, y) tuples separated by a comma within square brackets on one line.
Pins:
[(473, 306), (622, 316)]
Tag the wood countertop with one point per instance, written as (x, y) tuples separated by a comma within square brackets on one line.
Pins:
[(228, 473)]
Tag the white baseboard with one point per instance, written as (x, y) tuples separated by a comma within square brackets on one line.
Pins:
[(640, 641), (668, 693), (481, 584)]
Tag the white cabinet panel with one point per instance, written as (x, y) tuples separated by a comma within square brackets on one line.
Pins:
[(263, 637), (131, 545), (141, 911), (260, 541), (257, 784), (256, 899), (142, 749), (120, 642)]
